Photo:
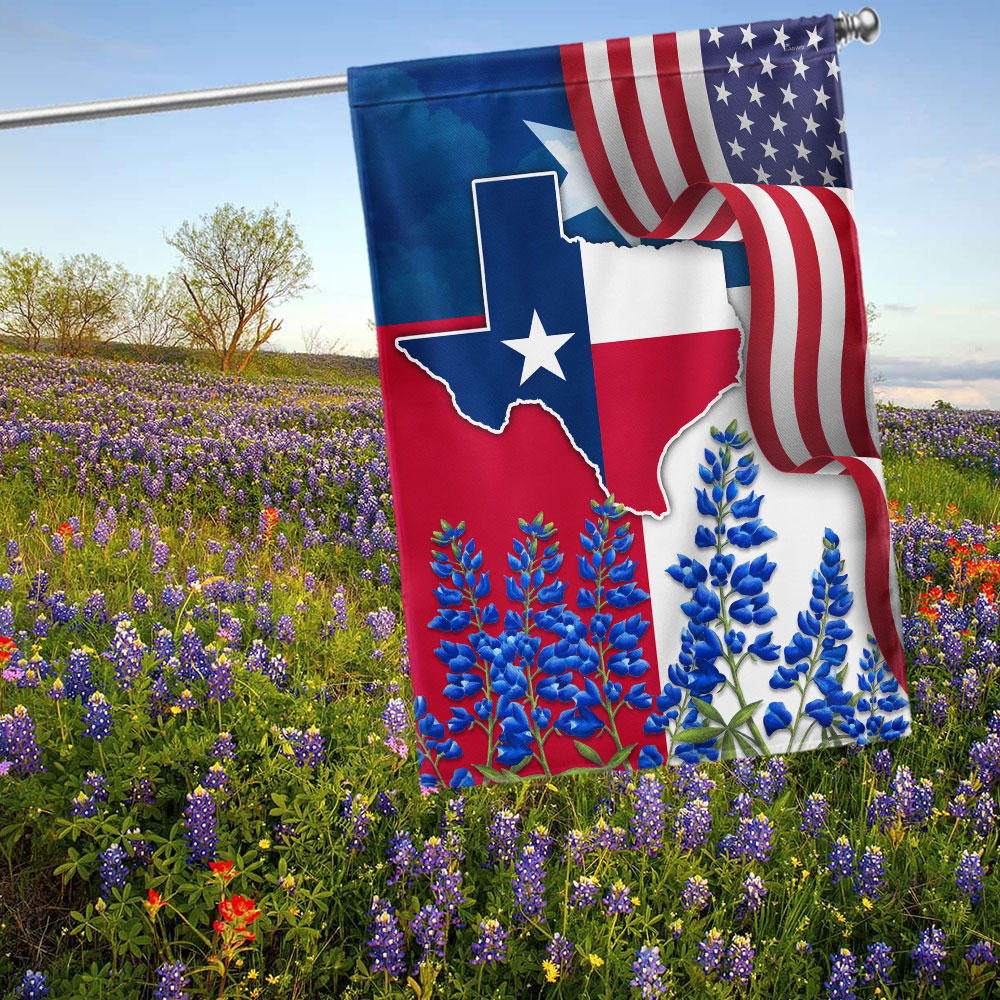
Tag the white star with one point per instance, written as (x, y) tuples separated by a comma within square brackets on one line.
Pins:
[(803, 152), (840, 122), (769, 150), (800, 67), (827, 177), (780, 37), (814, 39), (821, 96), (724, 95), (811, 125), (577, 193), (835, 152), (762, 175), (736, 148), (779, 125), (832, 68), (539, 350), (748, 35), (755, 95), (734, 64), (789, 96), (766, 66), (745, 122), (714, 35), (794, 177)]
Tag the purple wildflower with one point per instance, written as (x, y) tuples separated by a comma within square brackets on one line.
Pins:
[(751, 898), (710, 951), (223, 748), (739, 960), (841, 862), (870, 877), (618, 899), (586, 889), (98, 718), (401, 854), (843, 976), (649, 970), (984, 759), (878, 963), (980, 955), (693, 824), (18, 742), (503, 831), (430, 929), (113, 868), (814, 814), (200, 826), (929, 956), (647, 823), (560, 952), (529, 883), (696, 894), (33, 986), (969, 876), (490, 947), (385, 944)]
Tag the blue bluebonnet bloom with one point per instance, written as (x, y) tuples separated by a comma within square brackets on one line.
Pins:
[(357, 821), (223, 748), (18, 742), (843, 976), (171, 982), (385, 941), (984, 759), (446, 888), (647, 823), (490, 947), (693, 824), (503, 833), (98, 718), (649, 970), (969, 875), (33, 986), (841, 862), (929, 956), (529, 883), (560, 952), (618, 899), (980, 955), (401, 854), (983, 815), (430, 929), (739, 960), (755, 838), (696, 894), (870, 877), (877, 968), (711, 950), (200, 830), (78, 678), (751, 898), (114, 869), (814, 813), (586, 889)]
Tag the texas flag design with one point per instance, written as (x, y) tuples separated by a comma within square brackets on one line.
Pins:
[(625, 347)]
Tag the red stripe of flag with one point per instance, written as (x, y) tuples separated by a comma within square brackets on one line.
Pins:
[(668, 72), (581, 107)]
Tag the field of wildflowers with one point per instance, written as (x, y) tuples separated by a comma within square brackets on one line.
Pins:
[(207, 744)]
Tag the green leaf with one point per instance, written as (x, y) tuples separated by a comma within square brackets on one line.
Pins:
[(747, 746), (731, 429), (500, 777), (588, 753), (700, 734), (728, 747), (744, 714), (709, 711), (621, 756)]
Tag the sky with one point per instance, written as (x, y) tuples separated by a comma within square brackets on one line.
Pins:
[(921, 106)]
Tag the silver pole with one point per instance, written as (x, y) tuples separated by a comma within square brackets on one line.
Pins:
[(864, 25)]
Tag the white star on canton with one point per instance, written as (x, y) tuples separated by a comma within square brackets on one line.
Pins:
[(766, 66), (833, 68), (748, 35), (755, 95), (811, 125), (724, 95), (745, 122), (734, 64), (780, 37), (821, 97), (794, 177), (539, 350), (840, 122), (835, 152), (814, 39), (779, 125), (736, 148), (714, 35), (577, 193), (803, 152), (762, 175), (769, 150), (800, 67), (789, 96), (827, 177)]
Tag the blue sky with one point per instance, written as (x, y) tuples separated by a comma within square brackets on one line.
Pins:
[(921, 107)]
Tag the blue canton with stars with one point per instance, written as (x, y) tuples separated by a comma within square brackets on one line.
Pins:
[(775, 96), (537, 346)]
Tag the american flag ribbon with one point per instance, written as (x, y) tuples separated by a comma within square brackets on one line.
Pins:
[(653, 116)]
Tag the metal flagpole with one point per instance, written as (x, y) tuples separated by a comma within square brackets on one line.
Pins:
[(864, 25)]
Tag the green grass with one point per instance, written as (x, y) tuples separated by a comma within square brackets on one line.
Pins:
[(931, 485)]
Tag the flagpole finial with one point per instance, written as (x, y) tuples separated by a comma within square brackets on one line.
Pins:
[(864, 25)]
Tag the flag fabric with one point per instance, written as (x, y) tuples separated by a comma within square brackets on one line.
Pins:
[(632, 444)]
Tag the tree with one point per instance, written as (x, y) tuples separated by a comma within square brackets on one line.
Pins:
[(74, 306), (236, 266), (151, 309), (875, 337)]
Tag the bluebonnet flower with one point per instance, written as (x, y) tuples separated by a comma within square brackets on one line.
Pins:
[(647, 823), (843, 976), (841, 862), (385, 941), (98, 718), (125, 653), (33, 986), (560, 952), (814, 814), (383, 804), (693, 824), (171, 981), (223, 748), (357, 822), (529, 883), (219, 679), (983, 816), (984, 759), (980, 955), (754, 839), (929, 956), (711, 950), (586, 889), (216, 780), (490, 947), (649, 970), (401, 854), (739, 960), (870, 877), (430, 929), (113, 868), (503, 833), (696, 894), (200, 830), (619, 899), (969, 875), (877, 968), (751, 897), (446, 889), (19, 747)]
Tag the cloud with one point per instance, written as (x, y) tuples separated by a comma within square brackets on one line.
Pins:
[(934, 371), (984, 162), (53, 36), (902, 307)]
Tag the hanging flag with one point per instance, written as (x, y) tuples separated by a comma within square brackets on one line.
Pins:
[(610, 554)]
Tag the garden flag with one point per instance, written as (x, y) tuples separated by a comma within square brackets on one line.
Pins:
[(639, 521)]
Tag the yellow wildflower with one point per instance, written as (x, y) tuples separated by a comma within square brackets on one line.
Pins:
[(595, 961), (551, 970)]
